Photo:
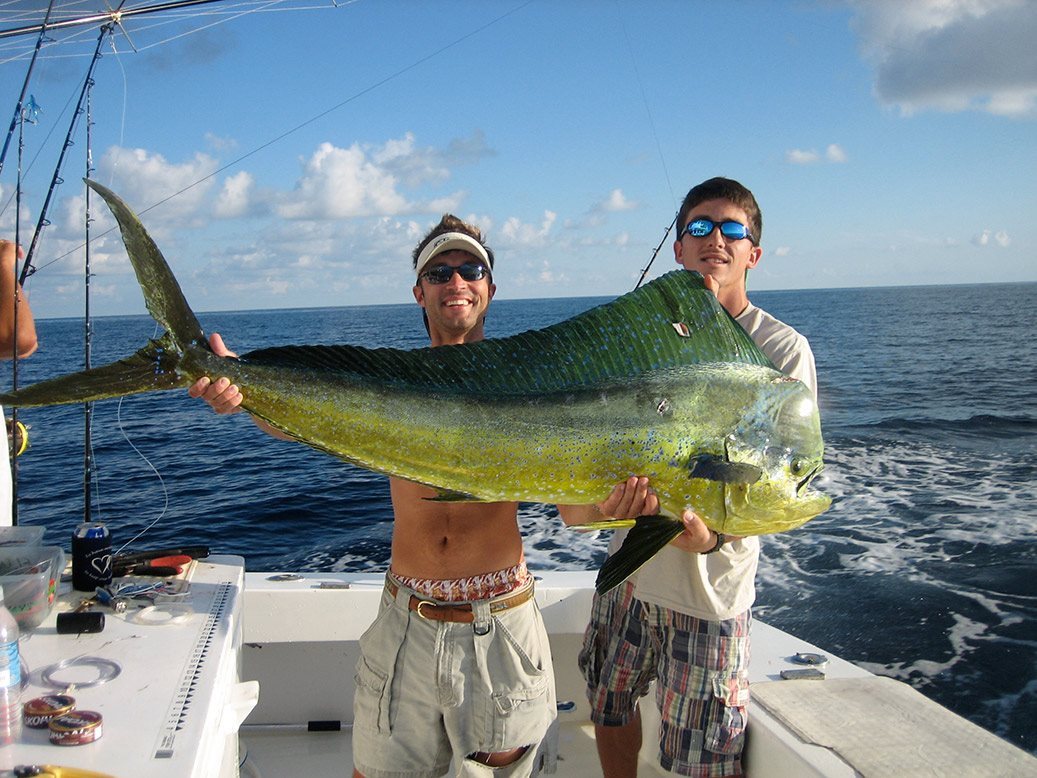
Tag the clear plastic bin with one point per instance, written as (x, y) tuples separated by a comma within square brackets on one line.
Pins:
[(30, 576), (22, 535)]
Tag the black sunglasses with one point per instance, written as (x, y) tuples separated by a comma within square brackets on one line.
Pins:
[(469, 271)]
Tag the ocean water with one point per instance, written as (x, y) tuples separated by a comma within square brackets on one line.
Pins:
[(923, 570)]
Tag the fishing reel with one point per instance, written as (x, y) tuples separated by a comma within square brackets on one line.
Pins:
[(17, 437)]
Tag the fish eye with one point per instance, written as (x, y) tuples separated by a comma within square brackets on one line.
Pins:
[(799, 466)]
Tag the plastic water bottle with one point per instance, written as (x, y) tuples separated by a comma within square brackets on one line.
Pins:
[(10, 677)]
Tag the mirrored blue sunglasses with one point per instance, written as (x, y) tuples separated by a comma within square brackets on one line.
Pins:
[(700, 228), (469, 271)]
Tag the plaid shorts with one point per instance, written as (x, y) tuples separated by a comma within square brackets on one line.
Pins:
[(701, 669)]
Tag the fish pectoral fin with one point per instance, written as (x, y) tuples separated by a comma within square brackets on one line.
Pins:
[(647, 537), (714, 468), (445, 495)]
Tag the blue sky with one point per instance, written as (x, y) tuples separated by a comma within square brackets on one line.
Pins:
[(299, 150)]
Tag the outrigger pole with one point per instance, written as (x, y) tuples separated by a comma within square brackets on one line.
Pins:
[(25, 85), (108, 16), (27, 268)]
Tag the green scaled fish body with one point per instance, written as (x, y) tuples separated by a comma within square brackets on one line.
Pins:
[(661, 383)]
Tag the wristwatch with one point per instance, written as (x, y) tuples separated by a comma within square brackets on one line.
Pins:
[(718, 546)]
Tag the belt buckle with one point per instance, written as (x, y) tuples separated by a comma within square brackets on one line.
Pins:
[(423, 603)]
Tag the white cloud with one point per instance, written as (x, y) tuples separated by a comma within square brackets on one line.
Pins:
[(614, 203), (988, 237), (834, 153), (549, 276), (801, 157), (447, 204), (365, 180), (233, 199), (144, 178), (415, 167), (339, 183), (520, 234), (952, 55), (782, 251), (218, 143)]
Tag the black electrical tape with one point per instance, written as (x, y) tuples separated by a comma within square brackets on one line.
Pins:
[(75, 623)]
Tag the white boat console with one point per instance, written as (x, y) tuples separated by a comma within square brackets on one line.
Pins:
[(174, 706)]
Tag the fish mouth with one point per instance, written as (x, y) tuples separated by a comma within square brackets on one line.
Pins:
[(754, 511), (801, 487)]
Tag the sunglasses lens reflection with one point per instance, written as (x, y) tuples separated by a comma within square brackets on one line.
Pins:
[(469, 271), (732, 230)]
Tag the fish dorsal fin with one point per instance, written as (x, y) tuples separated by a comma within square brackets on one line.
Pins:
[(672, 321)]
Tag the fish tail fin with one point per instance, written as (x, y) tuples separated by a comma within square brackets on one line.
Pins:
[(154, 367), (647, 537), (166, 302), (150, 369)]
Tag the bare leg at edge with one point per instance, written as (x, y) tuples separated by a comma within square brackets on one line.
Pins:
[(618, 748), (498, 758)]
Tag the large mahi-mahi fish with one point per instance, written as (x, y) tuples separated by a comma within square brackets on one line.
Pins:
[(661, 382)]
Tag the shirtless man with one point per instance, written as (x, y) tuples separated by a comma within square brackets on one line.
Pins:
[(457, 665)]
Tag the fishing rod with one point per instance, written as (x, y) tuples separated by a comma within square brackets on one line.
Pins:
[(88, 327), (14, 450), (27, 268), (644, 271), (25, 84), (108, 16)]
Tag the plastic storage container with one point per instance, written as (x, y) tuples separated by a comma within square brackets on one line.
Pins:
[(29, 576), (22, 535)]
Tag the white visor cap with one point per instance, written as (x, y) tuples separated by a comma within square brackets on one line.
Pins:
[(451, 241)]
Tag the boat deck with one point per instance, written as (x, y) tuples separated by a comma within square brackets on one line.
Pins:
[(270, 754), (300, 643), (288, 636)]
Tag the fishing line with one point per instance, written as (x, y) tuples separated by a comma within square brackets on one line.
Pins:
[(264, 7), (658, 147), (122, 119), (158, 475), (352, 98)]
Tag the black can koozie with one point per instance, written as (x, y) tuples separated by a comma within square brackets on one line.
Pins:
[(91, 557)]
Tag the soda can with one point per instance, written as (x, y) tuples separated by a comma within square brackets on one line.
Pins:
[(91, 556)]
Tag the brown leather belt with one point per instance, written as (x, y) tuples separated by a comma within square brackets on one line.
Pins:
[(461, 614)]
